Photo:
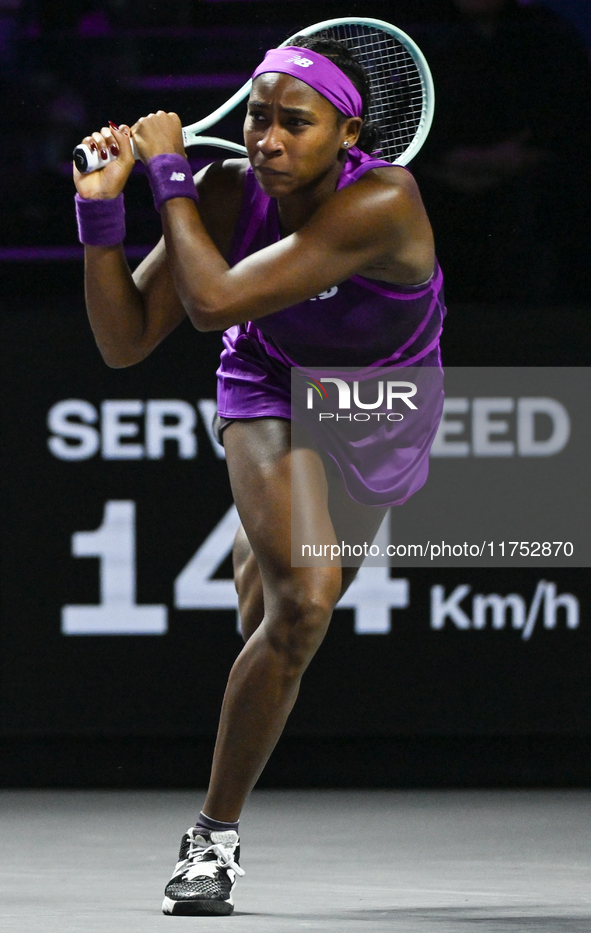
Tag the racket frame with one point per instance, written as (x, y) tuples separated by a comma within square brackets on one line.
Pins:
[(192, 133)]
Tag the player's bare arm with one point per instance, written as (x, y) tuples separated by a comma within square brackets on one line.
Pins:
[(130, 314), (372, 228)]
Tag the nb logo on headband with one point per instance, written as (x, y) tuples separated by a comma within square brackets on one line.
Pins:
[(298, 60)]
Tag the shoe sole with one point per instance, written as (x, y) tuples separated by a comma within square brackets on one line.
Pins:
[(190, 908)]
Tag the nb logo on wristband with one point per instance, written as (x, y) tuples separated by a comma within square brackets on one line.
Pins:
[(177, 176)]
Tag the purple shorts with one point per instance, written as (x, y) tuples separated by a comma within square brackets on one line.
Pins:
[(254, 381)]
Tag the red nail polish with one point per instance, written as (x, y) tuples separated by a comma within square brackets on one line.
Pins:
[(113, 125), (114, 150), (93, 146), (104, 154)]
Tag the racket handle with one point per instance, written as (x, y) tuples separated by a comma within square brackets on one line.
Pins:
[(87, 160)]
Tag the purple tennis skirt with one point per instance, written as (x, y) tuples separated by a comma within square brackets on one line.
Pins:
[(381, 464)]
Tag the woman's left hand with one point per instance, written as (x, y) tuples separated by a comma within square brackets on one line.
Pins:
[(157, 134)]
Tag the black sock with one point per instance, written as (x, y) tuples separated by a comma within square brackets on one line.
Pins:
[(217, 826)]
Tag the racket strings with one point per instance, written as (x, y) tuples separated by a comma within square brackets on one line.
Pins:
[(397, 88)]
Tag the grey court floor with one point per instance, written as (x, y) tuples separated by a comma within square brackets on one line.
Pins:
[(344, 862)]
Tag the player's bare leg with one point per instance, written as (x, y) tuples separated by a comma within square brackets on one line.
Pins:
[(298, 604), (247, 577), (285, 612)]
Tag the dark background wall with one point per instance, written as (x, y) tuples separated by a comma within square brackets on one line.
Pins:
[(413, 705)]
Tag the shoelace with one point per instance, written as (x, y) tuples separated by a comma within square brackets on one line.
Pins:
[(196, 853)]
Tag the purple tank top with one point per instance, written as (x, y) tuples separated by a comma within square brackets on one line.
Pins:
[(357, 322)]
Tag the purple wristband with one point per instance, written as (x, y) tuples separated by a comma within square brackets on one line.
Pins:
[(100, 223), (170, 177)]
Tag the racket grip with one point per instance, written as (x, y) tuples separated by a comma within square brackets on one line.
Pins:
[(87, 160)]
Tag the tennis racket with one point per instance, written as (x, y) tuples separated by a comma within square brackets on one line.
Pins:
[(401, 90)]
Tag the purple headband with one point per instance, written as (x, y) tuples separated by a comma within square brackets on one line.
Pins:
[(317, 71)]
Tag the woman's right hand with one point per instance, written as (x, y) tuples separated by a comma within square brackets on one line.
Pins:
[(108, 182)]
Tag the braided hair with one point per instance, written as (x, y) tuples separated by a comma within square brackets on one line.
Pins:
[(339, 55)]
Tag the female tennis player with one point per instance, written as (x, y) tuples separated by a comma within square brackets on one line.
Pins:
[(248, 246)]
